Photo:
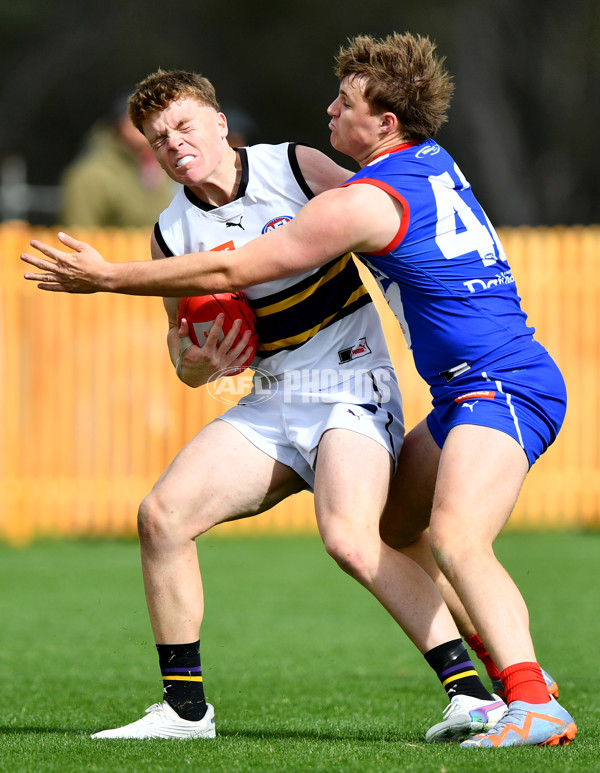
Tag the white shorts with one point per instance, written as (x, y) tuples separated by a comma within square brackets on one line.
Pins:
[(286, 417)]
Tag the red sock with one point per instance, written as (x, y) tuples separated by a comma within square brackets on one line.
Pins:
[(480, 650), (525, 682)]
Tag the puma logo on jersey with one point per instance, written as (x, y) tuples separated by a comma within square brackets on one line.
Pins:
[(233, 224)]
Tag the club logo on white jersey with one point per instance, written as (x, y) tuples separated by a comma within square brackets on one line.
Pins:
[(276, 222), (361, 349)]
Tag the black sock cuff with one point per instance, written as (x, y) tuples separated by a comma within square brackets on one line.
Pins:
[(170, 651), (444, 654)]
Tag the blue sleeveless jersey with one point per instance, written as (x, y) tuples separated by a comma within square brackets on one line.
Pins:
[(445, 275)]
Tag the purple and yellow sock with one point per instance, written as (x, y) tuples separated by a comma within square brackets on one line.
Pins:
[(182, 679), (455, 670)]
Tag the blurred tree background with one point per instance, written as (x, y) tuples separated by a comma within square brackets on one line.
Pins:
[(523, 123)]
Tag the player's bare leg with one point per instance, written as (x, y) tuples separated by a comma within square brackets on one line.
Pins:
[(407, 513), (350, 492), (196, 492), (351, 485), (408, 509), (410, 503), (465, 522)]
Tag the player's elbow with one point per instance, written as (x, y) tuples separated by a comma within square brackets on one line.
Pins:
[(233, 277), (223, 282)]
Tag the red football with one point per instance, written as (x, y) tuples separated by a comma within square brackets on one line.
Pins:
[(202, 311)]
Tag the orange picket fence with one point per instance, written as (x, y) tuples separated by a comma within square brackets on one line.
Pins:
[(93, 412)]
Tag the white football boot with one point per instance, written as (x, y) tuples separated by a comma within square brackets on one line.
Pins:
[(161, 721), (464, 716)]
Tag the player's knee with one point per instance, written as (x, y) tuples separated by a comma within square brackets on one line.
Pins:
[(403, 522), (449, 546), (350, 556), (398, 531), (159, 522), (151, 520)]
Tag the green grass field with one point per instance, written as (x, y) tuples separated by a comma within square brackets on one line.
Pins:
[(306, 671)]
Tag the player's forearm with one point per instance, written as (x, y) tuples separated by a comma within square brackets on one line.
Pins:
[(283, 252), (179, 276)]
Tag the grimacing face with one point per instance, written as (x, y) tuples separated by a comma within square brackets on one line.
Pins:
[(188, 140)]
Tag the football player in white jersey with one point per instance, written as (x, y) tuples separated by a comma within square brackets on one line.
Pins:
[(261, 451)]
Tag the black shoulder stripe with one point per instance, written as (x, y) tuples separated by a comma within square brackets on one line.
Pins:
[(296, 171), (161, 242), (243, 154)]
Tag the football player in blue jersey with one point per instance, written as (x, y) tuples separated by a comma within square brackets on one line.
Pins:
[(498, 398)]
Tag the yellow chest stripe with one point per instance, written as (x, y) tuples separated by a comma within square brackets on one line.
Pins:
[(308, 334), (292, 300)]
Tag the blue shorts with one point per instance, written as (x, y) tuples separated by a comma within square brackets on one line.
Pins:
[(525, 399)]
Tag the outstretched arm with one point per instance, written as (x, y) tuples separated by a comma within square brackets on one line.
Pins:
[(359, 218)]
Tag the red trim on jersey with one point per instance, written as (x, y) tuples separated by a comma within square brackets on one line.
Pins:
[(396, 149), (404, 223), (483, 394)]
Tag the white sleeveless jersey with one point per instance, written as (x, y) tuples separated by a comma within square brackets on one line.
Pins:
[(323, 319)]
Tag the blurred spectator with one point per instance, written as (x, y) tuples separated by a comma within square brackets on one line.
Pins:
[(115, 180)]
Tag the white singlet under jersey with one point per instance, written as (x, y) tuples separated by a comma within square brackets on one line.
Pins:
[(323, 319)]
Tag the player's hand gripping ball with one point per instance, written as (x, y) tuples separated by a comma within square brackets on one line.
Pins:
[(202, 311)]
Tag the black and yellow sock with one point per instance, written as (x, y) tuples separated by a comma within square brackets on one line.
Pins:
[(182, 679), (456, 672)]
